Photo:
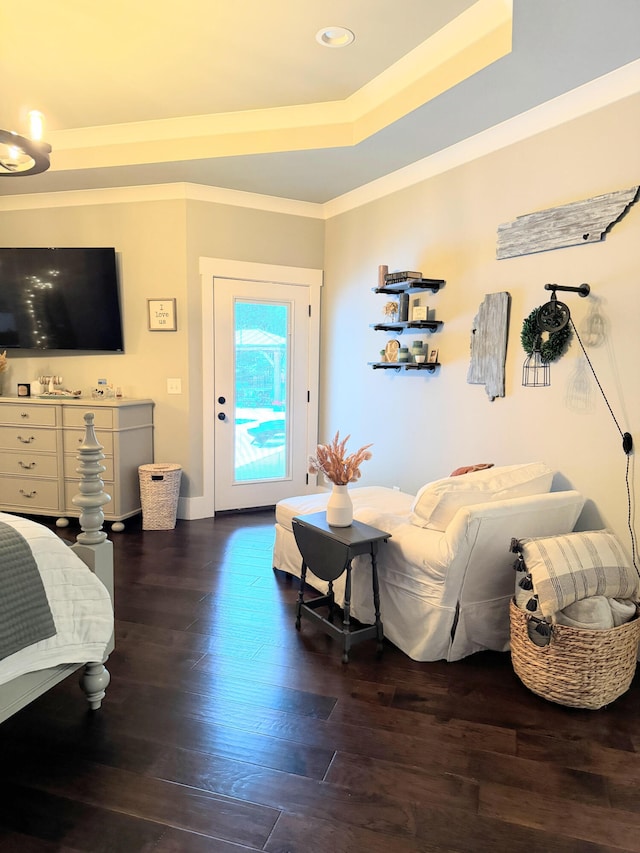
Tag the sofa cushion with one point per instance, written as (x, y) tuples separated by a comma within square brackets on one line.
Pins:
[(436, 503), (384, 499)]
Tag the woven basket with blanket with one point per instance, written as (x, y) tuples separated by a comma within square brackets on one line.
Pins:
[(574, 618)]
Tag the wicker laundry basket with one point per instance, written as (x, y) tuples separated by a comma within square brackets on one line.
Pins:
[(581, 668), (159, 490)]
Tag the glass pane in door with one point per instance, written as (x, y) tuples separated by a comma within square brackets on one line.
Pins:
[(261, 379)]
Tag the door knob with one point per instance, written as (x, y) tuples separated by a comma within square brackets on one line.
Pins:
[(222, 416)]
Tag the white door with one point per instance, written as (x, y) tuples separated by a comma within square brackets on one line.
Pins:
[(262, 378)]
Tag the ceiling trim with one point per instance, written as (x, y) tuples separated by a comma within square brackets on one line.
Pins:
[(478, 37), (621, 83), (162, 192)]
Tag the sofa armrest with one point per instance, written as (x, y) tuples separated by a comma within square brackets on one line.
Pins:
[(476, 543)]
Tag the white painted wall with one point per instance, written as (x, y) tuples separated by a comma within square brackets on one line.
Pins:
[(158, 244), (424, 426)]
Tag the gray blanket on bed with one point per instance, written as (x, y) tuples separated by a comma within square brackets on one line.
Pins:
[(25, 615)]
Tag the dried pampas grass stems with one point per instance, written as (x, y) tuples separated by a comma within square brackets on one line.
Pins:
[(332, 461)]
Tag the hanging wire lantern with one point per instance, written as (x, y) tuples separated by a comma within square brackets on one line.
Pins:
[(536, 373)]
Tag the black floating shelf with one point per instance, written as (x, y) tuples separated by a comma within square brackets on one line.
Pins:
[(427, 365), (401, 325), (393, 288), (402, 365)]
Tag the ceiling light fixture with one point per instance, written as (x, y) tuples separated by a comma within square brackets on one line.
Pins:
[(21, 155), (335, 37)]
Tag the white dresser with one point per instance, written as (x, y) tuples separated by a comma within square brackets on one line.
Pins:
[(39, 441)]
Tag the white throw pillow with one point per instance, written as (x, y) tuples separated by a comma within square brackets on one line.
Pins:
[(436, 503)]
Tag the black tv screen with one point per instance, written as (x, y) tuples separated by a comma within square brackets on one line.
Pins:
[(60, 299)]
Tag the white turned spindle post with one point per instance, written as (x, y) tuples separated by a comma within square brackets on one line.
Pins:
[(92, 495)]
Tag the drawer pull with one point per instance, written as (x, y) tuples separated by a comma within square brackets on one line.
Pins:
[(24, 414), (27, 465), (28, 494), (26, 440)]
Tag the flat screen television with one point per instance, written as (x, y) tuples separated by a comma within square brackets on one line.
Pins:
[(60, 299)]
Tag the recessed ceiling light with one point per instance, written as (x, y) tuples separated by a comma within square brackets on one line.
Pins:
[(334, 37)]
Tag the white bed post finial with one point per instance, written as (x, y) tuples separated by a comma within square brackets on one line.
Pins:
[(92, 495)]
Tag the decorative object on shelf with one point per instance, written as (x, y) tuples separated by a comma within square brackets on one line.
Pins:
[(404, 276), (390, 311), (331, 460), (383, 269), (403, 354), (585, 221), (103, 391), (489, 344), (403, 311), (419, 312), (24, 389), (53, 388), (417, 350), (21, 155), (433, 356), (162, 315), (391, 351)]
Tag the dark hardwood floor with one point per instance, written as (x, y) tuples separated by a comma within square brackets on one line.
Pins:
[(224, 730)]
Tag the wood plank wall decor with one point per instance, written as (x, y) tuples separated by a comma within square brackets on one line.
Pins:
[(573, 224), (489, 344)]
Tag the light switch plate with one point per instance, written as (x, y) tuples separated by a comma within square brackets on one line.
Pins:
[(174, 386)]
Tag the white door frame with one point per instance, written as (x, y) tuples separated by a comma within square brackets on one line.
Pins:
[(217, 268)]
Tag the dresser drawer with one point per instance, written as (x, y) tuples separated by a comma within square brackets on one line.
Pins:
[(29, 494), (73, 438), (73, 416), (17, 413), (28, 464), (26, 436)]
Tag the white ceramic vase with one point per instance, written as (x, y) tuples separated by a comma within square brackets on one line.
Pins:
[(339, 507)]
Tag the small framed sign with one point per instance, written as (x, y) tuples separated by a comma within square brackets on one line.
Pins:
[(419, 312), (433, 356), (162, 315)]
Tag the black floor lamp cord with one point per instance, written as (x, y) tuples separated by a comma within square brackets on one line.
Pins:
[(627, 446)]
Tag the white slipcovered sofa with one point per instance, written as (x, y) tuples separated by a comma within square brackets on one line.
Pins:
[(446, 574)]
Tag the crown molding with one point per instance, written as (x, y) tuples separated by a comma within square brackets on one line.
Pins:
[(619, 84), (162, 192), (615, 86)]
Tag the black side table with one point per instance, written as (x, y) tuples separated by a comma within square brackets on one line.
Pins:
[(328, 551)]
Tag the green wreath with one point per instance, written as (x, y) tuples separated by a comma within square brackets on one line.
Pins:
[(550, 348)]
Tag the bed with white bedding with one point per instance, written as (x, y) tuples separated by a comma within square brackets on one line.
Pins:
[(70, 594)]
